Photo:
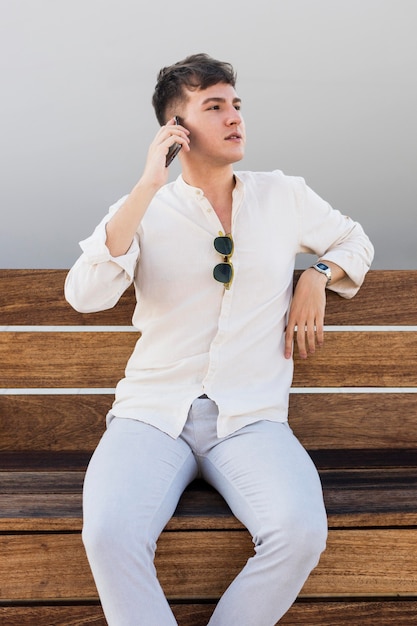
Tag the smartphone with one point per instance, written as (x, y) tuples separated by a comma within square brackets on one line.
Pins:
[(174, 149)]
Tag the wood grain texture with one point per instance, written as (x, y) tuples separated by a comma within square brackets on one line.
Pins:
[(50, 423), (320, 420), (354, 420), (302, 613), (36, 297), (359, 563), (83, 615), (348, 359), (357, 359), (54, 359), (387, 297)]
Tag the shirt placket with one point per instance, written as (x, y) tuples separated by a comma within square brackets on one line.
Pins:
[(224, 322)]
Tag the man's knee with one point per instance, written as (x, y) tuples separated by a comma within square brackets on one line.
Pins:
[(309, 538), (111, 537), (295, 538)]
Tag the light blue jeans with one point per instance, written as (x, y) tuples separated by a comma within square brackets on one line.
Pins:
[(134, 481)]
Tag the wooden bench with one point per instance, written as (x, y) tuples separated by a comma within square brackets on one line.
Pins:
[(354, 407)]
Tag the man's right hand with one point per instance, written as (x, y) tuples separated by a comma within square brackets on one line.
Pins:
[(155, 172)]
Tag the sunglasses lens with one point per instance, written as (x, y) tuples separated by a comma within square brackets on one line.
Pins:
[(223, 273), (223, 245)]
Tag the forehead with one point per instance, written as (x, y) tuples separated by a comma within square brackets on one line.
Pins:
[(220, 91)]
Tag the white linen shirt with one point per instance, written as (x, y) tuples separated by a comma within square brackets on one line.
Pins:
[(196, 336)]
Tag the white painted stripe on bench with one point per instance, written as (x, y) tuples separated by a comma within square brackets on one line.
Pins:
[(108, 390), (129, 329), (366, 329), (68, 329), (58, 391), (353, 390)]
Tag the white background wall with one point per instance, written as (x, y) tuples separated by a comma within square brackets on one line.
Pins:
[(328, 87)]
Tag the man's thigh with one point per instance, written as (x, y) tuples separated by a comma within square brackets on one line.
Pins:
[(266, 476), (136, 476)]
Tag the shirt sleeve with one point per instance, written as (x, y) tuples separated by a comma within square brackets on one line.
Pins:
[(97, 279), (335, 237)]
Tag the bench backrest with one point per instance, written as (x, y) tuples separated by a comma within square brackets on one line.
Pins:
[(59, 369)]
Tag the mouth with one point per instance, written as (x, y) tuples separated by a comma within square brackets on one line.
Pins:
[(233, 137)]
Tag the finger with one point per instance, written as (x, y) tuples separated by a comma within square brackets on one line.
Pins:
[(301, 341), (176, 136), (177, 129), (172, 122), (311, 337), (289, 338), (171, 133), (319, 333)]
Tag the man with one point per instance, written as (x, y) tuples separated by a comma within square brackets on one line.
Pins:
[(206, 388)]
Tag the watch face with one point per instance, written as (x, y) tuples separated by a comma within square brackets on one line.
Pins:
[(322, 266)]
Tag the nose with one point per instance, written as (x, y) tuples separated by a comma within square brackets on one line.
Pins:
[(234, 117)]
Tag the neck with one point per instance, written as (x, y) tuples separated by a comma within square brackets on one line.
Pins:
[(217, 185), (221, 179)]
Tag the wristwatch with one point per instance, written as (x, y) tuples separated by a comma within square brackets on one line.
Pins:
[(324, 269)]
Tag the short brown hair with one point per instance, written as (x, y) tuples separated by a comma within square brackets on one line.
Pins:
[(197, 71)]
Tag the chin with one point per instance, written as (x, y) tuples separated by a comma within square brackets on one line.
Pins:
[(238, 158)]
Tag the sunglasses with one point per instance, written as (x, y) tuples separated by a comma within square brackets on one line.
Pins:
[(223, 272)]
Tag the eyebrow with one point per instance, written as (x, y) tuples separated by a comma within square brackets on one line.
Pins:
[(212, 99)]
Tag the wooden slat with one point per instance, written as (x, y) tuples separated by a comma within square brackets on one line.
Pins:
[(33, 297), (87, 359), (354, 420), (356, 563), (367, 563), (356, 359), (383, 497), (56, 423), (83, 615), (347, 613), (348, 359), (44, 567), (320, 420), (35, 501), (353, 498), (345, 458), (45, 461), (36, 483), (36, 297), (394, 291), (302, 613)]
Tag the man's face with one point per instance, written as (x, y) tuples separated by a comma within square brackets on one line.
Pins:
[(217, 129)]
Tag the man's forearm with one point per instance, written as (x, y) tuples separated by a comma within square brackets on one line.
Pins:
[(121, 228)]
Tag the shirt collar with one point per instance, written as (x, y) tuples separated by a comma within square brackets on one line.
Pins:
[(184, 187)]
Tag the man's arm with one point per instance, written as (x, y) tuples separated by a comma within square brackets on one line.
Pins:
[(307, 310), (123, 225), (106, 268)]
